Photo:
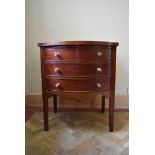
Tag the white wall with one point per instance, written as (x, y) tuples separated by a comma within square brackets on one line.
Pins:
[(54, 20)]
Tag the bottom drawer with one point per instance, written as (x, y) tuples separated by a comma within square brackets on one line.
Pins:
[(77, 84)]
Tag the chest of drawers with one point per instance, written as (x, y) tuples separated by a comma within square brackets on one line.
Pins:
[(79, 67)]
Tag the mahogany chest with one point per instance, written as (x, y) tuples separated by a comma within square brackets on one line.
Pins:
[(79, 67)]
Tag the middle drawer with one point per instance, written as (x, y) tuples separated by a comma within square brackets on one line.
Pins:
[(76, 69)]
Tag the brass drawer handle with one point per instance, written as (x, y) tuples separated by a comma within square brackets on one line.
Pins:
[(99, 69), (56, 69), (99, 54), (56, 54), (57, 85), (99, 85)]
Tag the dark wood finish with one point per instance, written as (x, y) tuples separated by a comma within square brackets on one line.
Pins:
[(55, 103), (45, 111), (75, 69), (77, 84), (71, 53), (78, 67), (112, 98), (103, 104), (69, 43), (44, 95)]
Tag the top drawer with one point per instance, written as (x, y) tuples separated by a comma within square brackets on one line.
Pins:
[(84, 53)]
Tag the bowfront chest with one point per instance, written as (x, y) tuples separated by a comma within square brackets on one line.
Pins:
[(79, 67)]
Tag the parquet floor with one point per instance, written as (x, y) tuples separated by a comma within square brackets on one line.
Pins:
[(77, 133)]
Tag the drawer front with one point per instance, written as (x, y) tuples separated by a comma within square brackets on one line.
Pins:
[(67, 69), (73, 53), (77, 84)]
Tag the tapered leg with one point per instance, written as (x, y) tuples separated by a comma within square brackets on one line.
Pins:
[(45, 111), (55, 103), (103, 104), (111, 113)]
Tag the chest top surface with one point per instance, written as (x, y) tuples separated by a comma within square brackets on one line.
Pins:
[(57, 43)]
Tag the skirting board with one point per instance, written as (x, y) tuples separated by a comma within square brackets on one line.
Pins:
[(121, 102)]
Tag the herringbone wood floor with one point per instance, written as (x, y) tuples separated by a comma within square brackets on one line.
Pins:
[(77, 134)]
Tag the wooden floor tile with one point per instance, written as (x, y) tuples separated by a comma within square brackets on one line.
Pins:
[(77, 134)]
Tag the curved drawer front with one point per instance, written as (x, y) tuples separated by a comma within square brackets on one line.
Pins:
[(77, 84), (67, 69), (70, 53)]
